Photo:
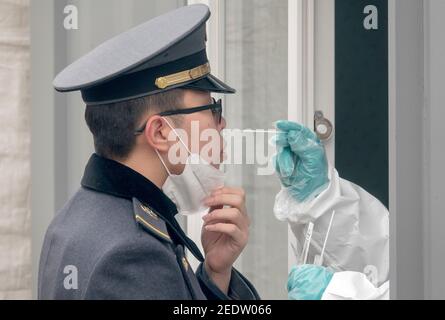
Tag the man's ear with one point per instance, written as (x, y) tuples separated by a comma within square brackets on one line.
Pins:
[(156, 133)]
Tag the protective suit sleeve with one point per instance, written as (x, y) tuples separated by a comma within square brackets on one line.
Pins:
[(349, 285), (359, 236)]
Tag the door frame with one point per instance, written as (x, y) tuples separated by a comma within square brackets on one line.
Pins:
[(311, 76)]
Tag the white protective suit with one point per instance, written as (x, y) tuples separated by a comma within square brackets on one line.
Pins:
[(357, 247)]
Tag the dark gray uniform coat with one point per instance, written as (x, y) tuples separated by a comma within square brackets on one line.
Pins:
[(117, 238)]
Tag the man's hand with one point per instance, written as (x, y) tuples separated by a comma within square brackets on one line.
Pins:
[(225, 233)]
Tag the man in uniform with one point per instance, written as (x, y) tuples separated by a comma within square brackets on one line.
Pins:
[(118, 233)]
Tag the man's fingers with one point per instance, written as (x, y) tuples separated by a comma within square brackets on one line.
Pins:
[(224, 199), (230, 215), (215, 208), (230, 190), (227, 228)]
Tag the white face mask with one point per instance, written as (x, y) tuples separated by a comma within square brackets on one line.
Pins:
[(189, 189)]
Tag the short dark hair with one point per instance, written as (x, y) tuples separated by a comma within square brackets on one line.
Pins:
[(113, 125)]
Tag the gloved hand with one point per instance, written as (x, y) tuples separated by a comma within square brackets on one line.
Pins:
[(308, 282), (300, 162)]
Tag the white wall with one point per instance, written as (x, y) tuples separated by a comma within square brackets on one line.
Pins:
[(417, 153), (15, 171), (61, 142), (406, 116), (434, 149)]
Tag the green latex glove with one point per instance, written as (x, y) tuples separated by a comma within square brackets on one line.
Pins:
[(300, 161), (308, 282)]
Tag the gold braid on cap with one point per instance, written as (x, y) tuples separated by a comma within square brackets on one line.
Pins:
[(183, 76)]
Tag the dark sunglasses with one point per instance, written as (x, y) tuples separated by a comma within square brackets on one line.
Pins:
[(215, 107)]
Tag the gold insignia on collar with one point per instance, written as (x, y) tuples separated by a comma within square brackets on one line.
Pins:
[(185, 263), (150, 212), (152, 227)]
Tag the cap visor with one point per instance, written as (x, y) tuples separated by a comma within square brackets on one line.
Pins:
[(210, 83)]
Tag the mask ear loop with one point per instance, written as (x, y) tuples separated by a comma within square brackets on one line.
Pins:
[(163, 163), (177, 135), (162, 160)]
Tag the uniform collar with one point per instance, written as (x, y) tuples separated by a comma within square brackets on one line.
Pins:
[(110, 177)]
